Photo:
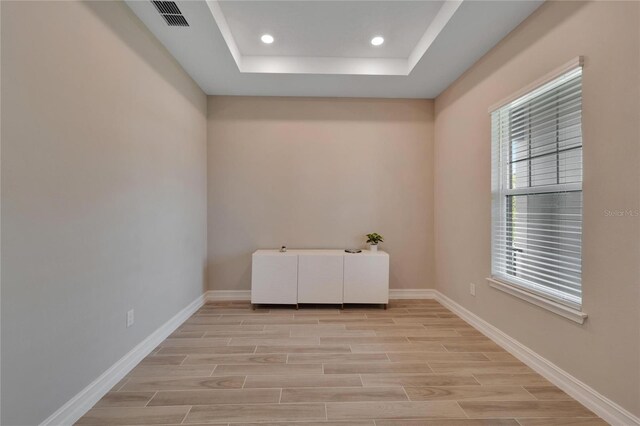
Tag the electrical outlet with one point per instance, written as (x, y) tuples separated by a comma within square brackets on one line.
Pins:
[(472, 289), (130, 318)]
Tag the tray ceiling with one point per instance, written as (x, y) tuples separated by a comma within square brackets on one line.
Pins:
[(323, 48)]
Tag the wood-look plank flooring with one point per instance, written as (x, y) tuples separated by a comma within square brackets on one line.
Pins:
[(413, 364)]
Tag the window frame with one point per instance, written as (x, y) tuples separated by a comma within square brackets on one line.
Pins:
[(538, 294)]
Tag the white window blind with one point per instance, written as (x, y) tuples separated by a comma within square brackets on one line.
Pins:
[(537, 190)]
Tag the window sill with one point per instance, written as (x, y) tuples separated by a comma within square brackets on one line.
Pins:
[(550, 305)]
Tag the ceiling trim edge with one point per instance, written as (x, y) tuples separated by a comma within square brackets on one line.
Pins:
[(334, 65)]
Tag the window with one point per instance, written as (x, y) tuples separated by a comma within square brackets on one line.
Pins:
[(537, 191)]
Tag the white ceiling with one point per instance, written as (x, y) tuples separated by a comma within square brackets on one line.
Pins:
[(322, 48), (329, 28)]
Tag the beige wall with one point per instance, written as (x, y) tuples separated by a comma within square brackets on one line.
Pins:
[(103, 196), (605, 351), (319, 173)]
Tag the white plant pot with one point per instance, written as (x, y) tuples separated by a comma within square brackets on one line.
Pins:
[(373, 247)]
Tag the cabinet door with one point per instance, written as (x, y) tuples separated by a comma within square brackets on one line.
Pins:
[(320, 278), (366, 278), (274, 278)]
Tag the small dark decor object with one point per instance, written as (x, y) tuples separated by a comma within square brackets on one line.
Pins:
[(373, 240), (353, 251), (283, 249)]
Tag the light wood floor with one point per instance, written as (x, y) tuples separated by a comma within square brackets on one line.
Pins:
[(413, 364)]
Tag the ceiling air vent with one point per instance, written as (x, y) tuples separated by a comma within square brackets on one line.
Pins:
[(171, 13)]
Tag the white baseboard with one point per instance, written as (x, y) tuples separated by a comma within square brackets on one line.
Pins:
[(77, 406), (581, 392), (412, 293), (215, 295)]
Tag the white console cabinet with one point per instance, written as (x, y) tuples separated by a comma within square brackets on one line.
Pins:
[(319, 276), (274, 277), (366, 278)]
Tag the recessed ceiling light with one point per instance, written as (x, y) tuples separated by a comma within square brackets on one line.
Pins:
[(267, 39), (377, 41)]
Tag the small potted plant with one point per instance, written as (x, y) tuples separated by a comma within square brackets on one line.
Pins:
[(373, 240)]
